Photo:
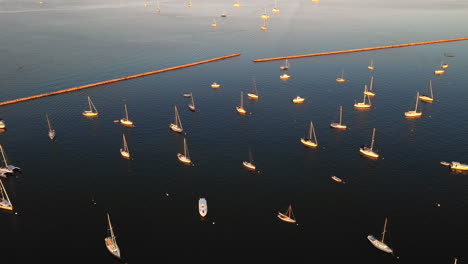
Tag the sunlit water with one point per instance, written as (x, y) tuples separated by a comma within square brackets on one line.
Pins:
[(67, 186)]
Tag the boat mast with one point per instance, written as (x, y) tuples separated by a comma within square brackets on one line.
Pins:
[(125, 147), (341, 113), (89, 102), (111, 230), (371, 83), (342, 73), (186, 153), (4, 157), (177, 120), (193, 102), (365, 90), (384, 230), (430, 89), (250, 156), (242, 101), (372, 142), (48, 122), (254, 86), (126, 112), (4, 192), (417, 99)]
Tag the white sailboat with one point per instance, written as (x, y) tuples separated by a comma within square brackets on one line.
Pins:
[(380, 243), (158, 10), (265, 15), (426, 98), (185, 158), (254, 94), (202, 207), (339, 125), (111, 242), (5, 202), (2, 124), (337, 179), (215, 85), (6, 169), (125, 121), (124, 151), (285, 66), (311, 139), (264, 27), (237, 4), (371, 66), (298, 100), (213, 24), (443, 65), (455, 165), (223, 14), (414, 113), (177, 125), (192, 105), (285, 77), (190, 3), (369, 92), (363, 104), (249, 164), (341, 79), (275, 9), (287, 216), (51, 131), (369, 152), (440, 70), (92, 112), (240, 108)]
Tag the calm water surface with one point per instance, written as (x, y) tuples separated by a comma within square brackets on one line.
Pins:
[(67, 186)]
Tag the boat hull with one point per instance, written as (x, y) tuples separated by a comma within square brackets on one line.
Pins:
[(298, 100), (426, 98), (368, 153), (362, 106), (379, 244), (4, 204), (248, 165), (252, 96), (2, 124), (241, 110), (370, 94), (285, 218), (413, 114), (444, 66), (215, 85), (125, 154), (335, 178), (191, 108), (438, 72), (370, 68), (202, 207), (183, 159), (112, 248), (285, 77), (454, 165), (338, 126), (90, 114), (340, 80), (175, 128), (52, 134), (308, 143)]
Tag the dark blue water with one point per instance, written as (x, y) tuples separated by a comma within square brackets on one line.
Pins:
[(67, 186)]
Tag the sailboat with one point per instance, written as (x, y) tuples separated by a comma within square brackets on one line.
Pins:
[(444, 65), (215, 85), (440, 70), (214, 23), (223, 14), (2, 124), (240, 108), (285, 66), (125, 121), (426, 98), (369, 92), (380, 243), (298, 100), (341, 79), (92, 112), (287, 216), (249, 164), (5, 202), (190, 3), (275, 10), (414, 113), (192, 105), (285, 77), (369, 152), (177, 125), (307, 141), (237, 4), (158, 10), (254, 93), (339, 125), (264, 27), (7, 168), (202, 207), (111, 242), (371, 66), (184, 158), (51, 131), (124, 150), (363, 104), (265, 15)]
